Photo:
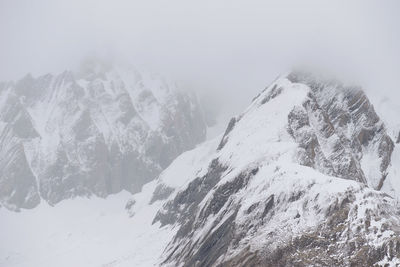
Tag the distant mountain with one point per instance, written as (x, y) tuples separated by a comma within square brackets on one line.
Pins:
[(306, 176), (97, 131)]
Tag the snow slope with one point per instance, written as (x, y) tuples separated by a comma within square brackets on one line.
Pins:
[(95, 231), (81, 232)]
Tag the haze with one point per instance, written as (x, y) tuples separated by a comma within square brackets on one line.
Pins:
[(226, 50)]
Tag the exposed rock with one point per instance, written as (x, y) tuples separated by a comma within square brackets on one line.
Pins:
[(107, 130), (18, 188), (337, 128), (274, 92), (224, 139), (160, 193), (185, 202)]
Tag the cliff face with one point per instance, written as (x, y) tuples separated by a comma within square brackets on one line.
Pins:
[(340, 134), (98, 132), (305, 176)]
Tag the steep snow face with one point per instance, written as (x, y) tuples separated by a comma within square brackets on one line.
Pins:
[(98, 132), (291, 182)]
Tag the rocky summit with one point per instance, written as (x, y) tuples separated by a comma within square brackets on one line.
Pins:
[(306, 176), (97, 131)]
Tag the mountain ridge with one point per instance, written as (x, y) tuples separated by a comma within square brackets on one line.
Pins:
[(286, 185), (109, 130)]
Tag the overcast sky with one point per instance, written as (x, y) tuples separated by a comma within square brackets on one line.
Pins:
[(232, 49)]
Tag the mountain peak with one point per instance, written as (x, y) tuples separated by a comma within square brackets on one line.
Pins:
[(307, 157), (335, 126), (96, 132)]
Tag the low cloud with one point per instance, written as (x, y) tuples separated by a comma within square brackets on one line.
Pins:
[(228, 50)]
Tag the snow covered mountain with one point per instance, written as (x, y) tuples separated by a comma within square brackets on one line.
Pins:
[(307, 175), (98, 131)]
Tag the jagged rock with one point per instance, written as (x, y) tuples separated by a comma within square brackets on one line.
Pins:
[(272, 192), (224, 139), (18, 188), (337, 129), (160, 193), (98, 131)]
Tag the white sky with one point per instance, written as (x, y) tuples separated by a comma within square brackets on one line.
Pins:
[(229, 49)]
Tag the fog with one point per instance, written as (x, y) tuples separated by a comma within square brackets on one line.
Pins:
[(226, 50), (130, 172)]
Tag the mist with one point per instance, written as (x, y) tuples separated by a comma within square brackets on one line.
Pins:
[(225, 50), (102, 164)]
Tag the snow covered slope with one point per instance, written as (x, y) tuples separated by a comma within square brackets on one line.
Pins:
[(94, 232), (97, 131), (80, 232), (292, 182)]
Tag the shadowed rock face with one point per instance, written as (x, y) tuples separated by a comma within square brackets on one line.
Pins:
[(18, 187), (100, 133), (337, 128), (224, 139), (290, 206), (187, 201)]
